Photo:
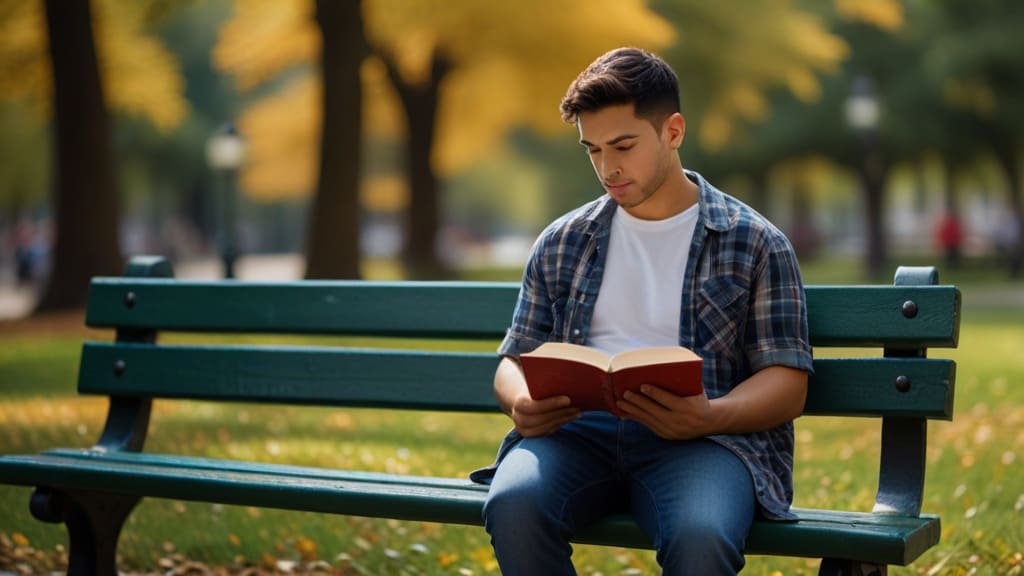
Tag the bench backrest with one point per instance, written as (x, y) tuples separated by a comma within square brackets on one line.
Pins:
[(898, 322), (892, 318)]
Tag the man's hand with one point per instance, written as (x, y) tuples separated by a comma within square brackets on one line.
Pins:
[(769, 398), (530, 417), (541, 417), (668, 415)]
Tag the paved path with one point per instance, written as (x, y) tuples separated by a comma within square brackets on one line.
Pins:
[(17, 302)]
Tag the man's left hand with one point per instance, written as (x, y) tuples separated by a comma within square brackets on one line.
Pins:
[(670, 416)]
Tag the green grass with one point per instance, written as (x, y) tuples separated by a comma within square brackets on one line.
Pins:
[(975, 479)]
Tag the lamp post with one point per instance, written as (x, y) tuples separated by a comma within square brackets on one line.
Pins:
[(863, 113), (225, 152)]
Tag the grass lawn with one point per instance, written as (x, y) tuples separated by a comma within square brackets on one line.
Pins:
[(975, 479)]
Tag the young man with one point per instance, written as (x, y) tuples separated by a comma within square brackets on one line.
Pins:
[(663, 258)]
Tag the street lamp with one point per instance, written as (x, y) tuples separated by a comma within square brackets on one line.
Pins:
[(225, 152), (862, 110), (863, 113)]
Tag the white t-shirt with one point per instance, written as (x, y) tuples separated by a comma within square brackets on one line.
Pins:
[(639, 301)]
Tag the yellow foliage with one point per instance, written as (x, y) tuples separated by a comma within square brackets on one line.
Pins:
[(814, 174), (265, 38), (382, 114), (281, 132), (24, 62), (140, 76), (885, 14), (512, 63), (384, 193)]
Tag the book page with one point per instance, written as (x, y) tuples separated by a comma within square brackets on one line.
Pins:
[(655, 355), (582, 354)]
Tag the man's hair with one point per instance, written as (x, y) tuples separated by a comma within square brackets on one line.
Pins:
[(624, 76)]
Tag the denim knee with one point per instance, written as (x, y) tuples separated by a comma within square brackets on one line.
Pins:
[(700, 545), (518, 505)]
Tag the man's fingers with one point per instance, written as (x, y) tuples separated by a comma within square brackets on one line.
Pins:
[(541, 425)]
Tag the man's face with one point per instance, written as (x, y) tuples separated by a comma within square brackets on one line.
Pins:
[(631, 159)]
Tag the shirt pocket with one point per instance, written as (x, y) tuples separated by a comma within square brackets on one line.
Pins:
[(721, 316)]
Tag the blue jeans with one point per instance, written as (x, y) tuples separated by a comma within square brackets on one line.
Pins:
[(695, 499)]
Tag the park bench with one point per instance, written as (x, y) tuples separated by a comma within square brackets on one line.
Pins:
[(93, 490)]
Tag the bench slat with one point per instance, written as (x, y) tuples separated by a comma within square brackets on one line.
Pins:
[(874, 316), (837, 315), (406, 379), (880, 538), (405, 309), (867, 387), (446, 380)]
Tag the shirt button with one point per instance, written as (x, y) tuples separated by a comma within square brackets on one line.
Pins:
[(576, 332)]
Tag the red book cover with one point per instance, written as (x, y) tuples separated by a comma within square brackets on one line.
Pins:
[(596, 381)]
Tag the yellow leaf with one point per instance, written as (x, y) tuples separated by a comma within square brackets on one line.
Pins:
[(306, 548), (446, 559), (484, 557), (234, 539), (19, 539)]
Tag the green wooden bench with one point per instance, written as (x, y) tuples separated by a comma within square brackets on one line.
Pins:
[(93, 490)]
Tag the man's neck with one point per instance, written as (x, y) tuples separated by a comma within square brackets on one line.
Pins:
[(676, 194)]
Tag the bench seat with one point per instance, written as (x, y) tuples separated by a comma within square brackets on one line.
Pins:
[(889, 539)]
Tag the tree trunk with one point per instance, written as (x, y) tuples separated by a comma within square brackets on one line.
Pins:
[(332, 248), (873, 174), (85, 201), (1009, 161), (424, 214)]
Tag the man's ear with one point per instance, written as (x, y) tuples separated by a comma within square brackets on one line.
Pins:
[(674, 129)]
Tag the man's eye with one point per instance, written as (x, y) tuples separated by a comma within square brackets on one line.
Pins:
[(624, 148), (593, 151)]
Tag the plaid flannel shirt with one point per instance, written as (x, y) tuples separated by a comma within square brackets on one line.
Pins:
[(742, 310)]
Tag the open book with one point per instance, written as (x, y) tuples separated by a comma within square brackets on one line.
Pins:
[(596, 381)]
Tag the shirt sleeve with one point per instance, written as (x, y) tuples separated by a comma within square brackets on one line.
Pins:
[(777, 333), (532, 319)]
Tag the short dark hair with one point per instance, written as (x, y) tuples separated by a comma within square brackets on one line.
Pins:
[(624, 76)]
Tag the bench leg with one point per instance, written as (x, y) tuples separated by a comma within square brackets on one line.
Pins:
[(836, 567), (93, 520)]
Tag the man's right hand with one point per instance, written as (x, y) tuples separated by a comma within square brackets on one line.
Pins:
[(530, 417), (542, 417)]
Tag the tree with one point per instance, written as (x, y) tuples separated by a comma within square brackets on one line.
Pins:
[(85, 201), (728, 66), (470, 74), (808, 123), (265, 40), (138, 76), (977, 66), (333, 247), (457, 80)]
